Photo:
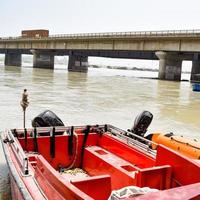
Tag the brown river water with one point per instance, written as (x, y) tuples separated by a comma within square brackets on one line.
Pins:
[(98, 97)]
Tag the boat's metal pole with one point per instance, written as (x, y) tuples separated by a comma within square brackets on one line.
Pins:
[(24, 103), (24, 118)]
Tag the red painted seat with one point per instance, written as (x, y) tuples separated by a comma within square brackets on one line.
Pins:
[(98, 161), (98, 187)]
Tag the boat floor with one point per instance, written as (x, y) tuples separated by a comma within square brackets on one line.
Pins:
[(102, 162)]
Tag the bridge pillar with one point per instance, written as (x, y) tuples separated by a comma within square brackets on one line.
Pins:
[(195, 73), (170, 65), (13, 59), (78, 63), (43, 60)]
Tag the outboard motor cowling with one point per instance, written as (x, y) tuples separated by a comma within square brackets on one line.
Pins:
[(141, 123), (47, 119)]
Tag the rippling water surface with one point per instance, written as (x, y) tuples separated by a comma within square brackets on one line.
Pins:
[(100, 96)]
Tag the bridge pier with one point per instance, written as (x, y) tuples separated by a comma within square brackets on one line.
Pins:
[(170, 65), (13, 59), (78, 63), (43, 60), (195, 73)]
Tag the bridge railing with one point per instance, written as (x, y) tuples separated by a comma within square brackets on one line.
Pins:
[(165, 33), (136, 33)]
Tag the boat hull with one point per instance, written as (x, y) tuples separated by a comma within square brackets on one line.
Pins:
[(15, 189), (110, 159)]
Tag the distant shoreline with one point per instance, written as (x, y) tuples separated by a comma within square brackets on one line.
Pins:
[(124, 68), (130, 68)]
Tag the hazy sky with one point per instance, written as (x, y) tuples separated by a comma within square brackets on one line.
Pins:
[(79, 16)]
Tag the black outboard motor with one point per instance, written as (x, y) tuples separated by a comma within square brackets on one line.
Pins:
[(141, 123), (47, 119)]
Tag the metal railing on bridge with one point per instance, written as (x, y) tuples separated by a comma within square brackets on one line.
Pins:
[(131, 34)]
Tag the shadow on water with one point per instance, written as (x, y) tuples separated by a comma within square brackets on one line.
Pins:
[(77, 79), (13, 69), (13, 75), (42, 75), (38, 73), (170, 88), (168, 95)]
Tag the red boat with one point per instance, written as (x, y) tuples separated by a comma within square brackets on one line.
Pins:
[(95, 162)]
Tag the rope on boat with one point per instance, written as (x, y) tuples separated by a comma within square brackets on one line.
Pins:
[(24, 103), (71, 165), (76, 153), (75, 171)]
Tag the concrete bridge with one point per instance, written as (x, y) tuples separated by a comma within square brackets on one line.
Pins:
[(170, 47)]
